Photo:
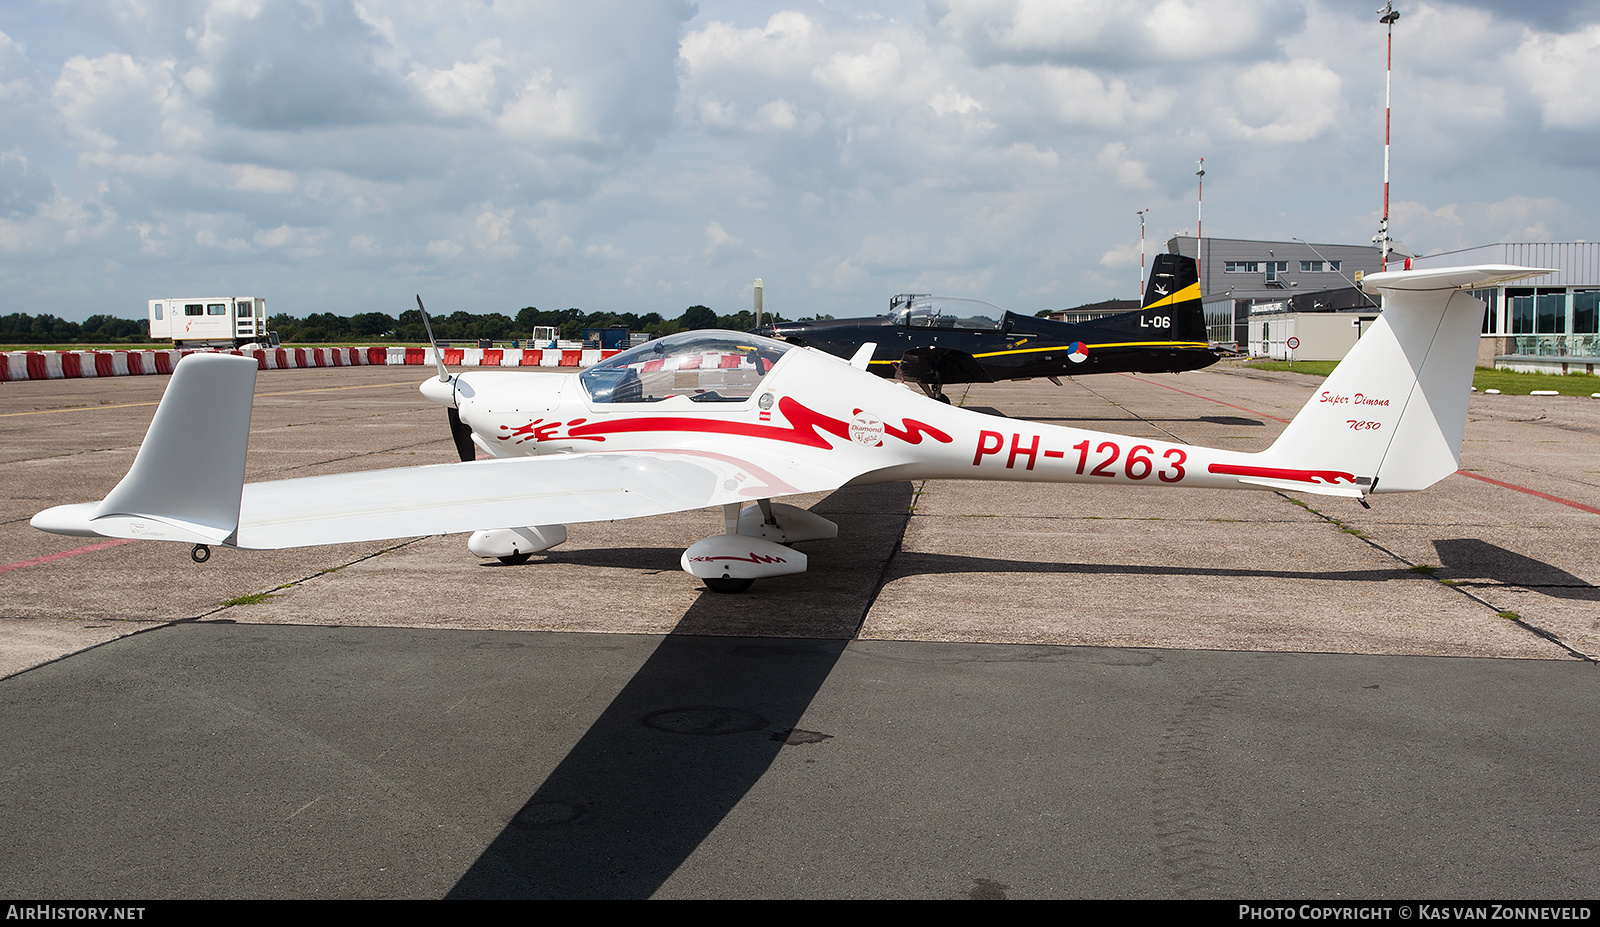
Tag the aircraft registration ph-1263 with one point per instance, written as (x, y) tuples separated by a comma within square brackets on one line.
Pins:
[(935, 341), (715, 418)]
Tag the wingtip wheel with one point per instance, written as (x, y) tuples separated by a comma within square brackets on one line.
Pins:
[(513, 546), (727, 584)]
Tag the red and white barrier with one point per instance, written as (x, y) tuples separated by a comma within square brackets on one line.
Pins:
[(70, 365)]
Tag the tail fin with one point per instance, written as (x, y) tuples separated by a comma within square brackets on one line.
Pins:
[(187, 479), (1172, 301), (1174, 279), (1392, 414)]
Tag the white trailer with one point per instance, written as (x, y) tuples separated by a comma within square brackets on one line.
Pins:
[(209, 321)]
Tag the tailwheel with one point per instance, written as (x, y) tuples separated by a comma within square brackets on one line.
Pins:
[(514, 559), (726, 584)]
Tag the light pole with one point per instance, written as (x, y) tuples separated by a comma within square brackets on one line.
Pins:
[(1199, 216), (1141, 254), (1387, 17)]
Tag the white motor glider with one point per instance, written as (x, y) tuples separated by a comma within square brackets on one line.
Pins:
[(717, 418)]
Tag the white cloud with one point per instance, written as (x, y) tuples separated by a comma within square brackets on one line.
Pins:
[(1128, 172), (1562, 72), (993, 147), (443, 248), (253, 178), (366, 245), (1454, 226), (1289, 101)]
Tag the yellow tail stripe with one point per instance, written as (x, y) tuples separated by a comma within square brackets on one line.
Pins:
[(1116, 344), (1192, 291)]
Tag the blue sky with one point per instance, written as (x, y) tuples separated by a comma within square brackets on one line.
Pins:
[(636, 156)]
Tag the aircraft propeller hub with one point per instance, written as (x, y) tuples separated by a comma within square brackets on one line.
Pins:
[(440, 391)]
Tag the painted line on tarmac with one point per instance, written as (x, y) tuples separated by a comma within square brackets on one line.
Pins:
[(130, 405), (1504, 485), (47, 558), (1207, 398), (1532, 492)]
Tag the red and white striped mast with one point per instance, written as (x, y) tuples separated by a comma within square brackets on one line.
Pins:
[(1199, 217), (1141, 253), (1386, 16)]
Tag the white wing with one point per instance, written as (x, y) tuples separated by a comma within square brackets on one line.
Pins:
[(512, 493), (202, 426)]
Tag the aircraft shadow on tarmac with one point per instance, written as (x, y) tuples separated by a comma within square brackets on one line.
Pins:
[(694, 729), (1469, 559), (705, 717)]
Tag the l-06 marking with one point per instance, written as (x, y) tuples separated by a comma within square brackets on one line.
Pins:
[(1156, 321), (1138, 465)]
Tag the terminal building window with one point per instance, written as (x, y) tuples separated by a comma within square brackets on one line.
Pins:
[(1491, 311), (1586, 312)]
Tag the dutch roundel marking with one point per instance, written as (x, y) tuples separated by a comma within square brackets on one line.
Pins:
[(1078, 352)]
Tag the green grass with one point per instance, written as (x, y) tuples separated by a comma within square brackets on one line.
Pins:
[(1310, 368), (251, 599), (1506, 381)]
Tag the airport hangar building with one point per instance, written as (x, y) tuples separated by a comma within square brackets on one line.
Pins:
[(1260, 294)]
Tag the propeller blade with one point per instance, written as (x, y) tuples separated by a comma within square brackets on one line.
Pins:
[(437, 358), (461, 433)]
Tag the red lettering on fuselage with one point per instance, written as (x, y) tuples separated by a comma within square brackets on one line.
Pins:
[(1138, 464), (806, 426), (984, 447), (1032, 451)]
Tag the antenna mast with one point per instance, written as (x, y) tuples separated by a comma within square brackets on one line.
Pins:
[(1199, 216), (1141, 253), (1387, 17)]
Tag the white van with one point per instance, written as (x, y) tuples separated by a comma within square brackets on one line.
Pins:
[(211, 321)]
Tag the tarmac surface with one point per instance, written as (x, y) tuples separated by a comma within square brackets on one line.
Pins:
[(978, 689)]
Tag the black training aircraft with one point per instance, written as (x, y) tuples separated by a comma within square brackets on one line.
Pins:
[(933, 341)]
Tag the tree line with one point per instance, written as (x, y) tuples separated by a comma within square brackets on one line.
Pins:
[(320, 327), (21, 328)]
